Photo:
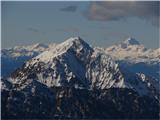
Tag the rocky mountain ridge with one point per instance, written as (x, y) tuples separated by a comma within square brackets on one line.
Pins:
[(74, 72)]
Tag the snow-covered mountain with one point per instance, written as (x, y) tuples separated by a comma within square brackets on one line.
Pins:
[(74, 63), (129, 53), (76, 79), (12, 58), (132, 50), (136, 58)]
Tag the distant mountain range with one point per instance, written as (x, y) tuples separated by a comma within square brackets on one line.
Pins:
[(73, 80), (130, 51)]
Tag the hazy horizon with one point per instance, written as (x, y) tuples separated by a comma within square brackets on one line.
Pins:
[(99, 24)]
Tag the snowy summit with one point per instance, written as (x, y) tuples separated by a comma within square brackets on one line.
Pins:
[(75, 63), (129, 42), (73, 70)]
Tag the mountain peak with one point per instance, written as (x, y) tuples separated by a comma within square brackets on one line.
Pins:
[(76, 43), (73, 45), (131, 41), (37, 45), (75, 40)]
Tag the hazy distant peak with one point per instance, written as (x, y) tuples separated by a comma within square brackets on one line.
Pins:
[(37, 45), (131, 41), (75, 40)]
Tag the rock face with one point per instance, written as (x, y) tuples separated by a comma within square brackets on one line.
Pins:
[(31, 100), (71, 103), (74, 80)]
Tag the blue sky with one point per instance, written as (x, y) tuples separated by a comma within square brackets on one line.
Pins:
[(25, 23)]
